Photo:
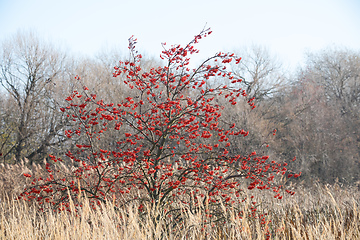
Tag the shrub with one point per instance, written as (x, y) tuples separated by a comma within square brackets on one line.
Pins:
[(171, 145)]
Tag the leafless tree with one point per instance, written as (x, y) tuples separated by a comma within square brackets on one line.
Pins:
[(338, 70), (261, 71), (31, 73), (318, 117)]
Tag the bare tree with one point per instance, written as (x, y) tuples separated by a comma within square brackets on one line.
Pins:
[(29, 72), (338, 70), (318, 117), (261, 71)]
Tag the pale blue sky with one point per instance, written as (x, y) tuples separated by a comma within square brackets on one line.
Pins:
[(287, 27)]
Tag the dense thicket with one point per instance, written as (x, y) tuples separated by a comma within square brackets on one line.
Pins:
[(315, 111)]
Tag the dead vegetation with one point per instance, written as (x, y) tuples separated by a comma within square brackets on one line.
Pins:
[(319, 212)]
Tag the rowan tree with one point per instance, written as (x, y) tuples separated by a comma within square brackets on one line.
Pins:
[(172, 142)]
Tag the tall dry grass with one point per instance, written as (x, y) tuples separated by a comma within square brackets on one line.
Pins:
[(319, 212)]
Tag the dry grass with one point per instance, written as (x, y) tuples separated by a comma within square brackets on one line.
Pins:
[(318, 212)]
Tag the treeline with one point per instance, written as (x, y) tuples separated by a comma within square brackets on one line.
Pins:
[(311, 114)]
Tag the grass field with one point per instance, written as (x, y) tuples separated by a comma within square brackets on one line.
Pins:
[(317, 212)]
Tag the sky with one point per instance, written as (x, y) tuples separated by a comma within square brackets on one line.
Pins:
[(288, 28)]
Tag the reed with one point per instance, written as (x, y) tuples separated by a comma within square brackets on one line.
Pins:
[(316, 212)]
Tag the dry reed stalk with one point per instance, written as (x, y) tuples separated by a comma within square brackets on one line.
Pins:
[(320, 212)]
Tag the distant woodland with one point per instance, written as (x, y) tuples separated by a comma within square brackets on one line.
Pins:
[(314, 110)]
